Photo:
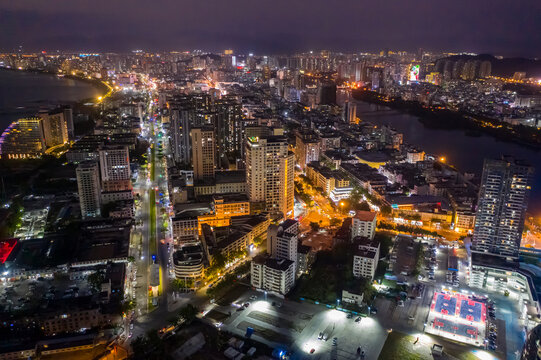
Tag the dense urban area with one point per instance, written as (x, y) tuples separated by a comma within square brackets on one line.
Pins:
[(243, 206)]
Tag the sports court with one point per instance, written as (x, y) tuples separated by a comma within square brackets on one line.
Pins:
[(457, 317)]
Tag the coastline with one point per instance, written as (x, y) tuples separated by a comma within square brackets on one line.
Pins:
[(98, 84), (442, 118)]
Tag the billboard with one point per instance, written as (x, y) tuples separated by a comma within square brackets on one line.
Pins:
[(414, 73)]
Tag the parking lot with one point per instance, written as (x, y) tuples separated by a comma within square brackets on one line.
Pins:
[(29, 294), (295, 327)]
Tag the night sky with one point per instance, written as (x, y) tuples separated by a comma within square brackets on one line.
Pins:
[(501, 27)]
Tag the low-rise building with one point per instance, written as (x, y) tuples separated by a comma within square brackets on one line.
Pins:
[(188, 262), (112, 196), (224, 182), (351, 297)]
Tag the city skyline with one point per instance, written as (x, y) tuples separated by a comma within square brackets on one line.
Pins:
[(479, 27), (312, 205)]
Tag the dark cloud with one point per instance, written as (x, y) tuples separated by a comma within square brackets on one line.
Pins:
[(498, 26)]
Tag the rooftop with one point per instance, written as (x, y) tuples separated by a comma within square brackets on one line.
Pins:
[(365, 215)]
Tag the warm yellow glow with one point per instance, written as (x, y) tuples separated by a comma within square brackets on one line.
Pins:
[(442, 159), (99, 98)]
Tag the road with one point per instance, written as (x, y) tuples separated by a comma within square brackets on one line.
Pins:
[(152, 187)]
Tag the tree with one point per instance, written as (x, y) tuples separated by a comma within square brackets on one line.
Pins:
[(363, 206), (128, 306), (217, 264), (315, 226), (188, 313), (386, 242), (335, 222), (386, 210), (96, 279)]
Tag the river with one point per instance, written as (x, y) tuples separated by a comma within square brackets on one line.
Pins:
[(465, 152), (23, 93)]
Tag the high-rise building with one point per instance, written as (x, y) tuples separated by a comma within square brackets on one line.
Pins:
[(115, 163), (326, 93), (307, 148), (501, 209), (22, 139), (269, 174), (282, 240), (55, 127), (203, 152), (88, 182), (365, 258), (182, 117), (190, 111), (349, 114), (68, 118), (485, 69), (228, 125)]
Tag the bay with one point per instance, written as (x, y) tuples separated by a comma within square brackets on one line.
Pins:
[(24, 93), (465, 152)]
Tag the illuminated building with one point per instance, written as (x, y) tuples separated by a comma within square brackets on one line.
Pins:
[(203, 152), (501, 209), (182, 116), (22, 139), (114, 163), (55, 127), (228, 124), (464, 221), (276, 276), (414, 72), (282, 240), (349, 114), (414, 156), (187, 225), (365, 258), (88, 183), (270, 173), (188, 262), (307, 148), (7, 247), (364, 225), (326, 178), (223, 208)]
